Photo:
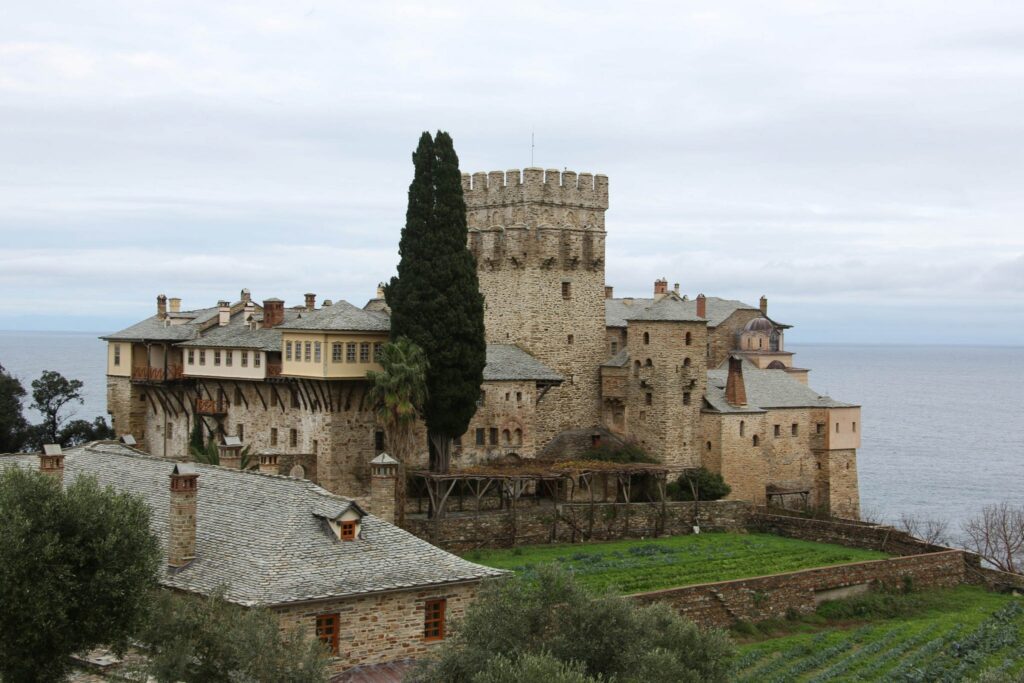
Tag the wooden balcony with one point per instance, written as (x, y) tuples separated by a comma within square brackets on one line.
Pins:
[(206, 406), (148, 374), (273, 369)]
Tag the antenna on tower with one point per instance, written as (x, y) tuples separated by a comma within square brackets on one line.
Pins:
[(531, 148)]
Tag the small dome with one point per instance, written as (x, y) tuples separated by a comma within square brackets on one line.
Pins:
[(759, 325)]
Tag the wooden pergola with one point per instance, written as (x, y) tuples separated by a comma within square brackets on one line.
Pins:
[(780, 493), (513, 480)]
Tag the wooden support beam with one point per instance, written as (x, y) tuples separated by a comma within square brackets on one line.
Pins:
[(256, 388)]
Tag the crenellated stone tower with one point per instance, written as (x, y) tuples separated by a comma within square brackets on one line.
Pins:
[(538, 237)]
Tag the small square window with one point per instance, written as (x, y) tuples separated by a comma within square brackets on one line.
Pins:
[(228, 358), (216, 357), (327, 631), (570, 339), (191, 357), (378, 441), (364, 352), (778, 430), (256, 358), (480, 436), (245, 359), (377, 346), (316, 352), (348, 531), (795, 429), (566, 290), (350, 352), (336, 352), (494, 436), (433, 619), (117, 354), (519, 397), (287, 350), (686, 398), (273, 436), (819, 428), (309, 351), (649, 398), (240, 432), (293, 438)]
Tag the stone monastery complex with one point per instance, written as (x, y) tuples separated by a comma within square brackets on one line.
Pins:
[(696, 381)]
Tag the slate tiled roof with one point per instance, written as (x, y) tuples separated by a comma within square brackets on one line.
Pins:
[(341, 316), (154, 329), (620, 359), (509, 362), (238, 335), (264, 537), (618, 311), (765, 389)]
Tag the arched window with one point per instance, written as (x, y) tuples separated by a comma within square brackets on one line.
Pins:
[(686, 362), (647, 338), (636, 368), (773, 341), (648, 363), (743, 427), (709, 445), (755, 439), (689, 338)]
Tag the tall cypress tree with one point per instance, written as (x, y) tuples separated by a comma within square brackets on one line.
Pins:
[(435, 300)]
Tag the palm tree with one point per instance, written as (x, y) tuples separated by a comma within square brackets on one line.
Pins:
[(398, 392)]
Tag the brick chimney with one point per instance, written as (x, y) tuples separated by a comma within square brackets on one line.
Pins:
[(229, 453), (764, 305), (702, 306), (181, 527), (268, 463), (246, 295), (175, 304), (608, 292), (385, 501), (735, 390), (51, 462), (273, 312), (660, 288), (223, 313), (310, 301), (161, 307)]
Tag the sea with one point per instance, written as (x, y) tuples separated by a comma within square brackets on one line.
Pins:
[(942, 426)]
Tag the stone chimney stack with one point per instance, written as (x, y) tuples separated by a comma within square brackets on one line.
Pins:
[(675, 288), (175, 304), (660, 288), (609, 292), (181, 527), (161, 307), (229, 453), (385, 498), (223, 313), (249, 311), (380, 290), (310, 301), (735, 389), (268, 463), (51, 462), (246, 295), (764, 305), (702, 306), (327, 303), (273, 312)]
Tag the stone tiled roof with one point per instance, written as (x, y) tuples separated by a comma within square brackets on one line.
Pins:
[(620, 359), (238, 335), (618, 311), (766, 389), (342, 317), (263, 537), (669, 308), (154, 329), (509, 362)]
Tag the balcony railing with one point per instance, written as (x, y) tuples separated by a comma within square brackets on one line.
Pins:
[(147, 374), (205, 406)]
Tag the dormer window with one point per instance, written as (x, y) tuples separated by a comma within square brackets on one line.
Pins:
[(348, 525)]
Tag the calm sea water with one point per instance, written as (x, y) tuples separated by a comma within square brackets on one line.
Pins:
[(942, 428)]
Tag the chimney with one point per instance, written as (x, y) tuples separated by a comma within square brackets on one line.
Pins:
[(310, 301), (246, 295), (51, 462), (273, 312), (380, 290), (161, 307), (181, 527), (223, 313), (327, 303), (175, 304), (229, 453), (660, 288), (675, 288), (735, 390), (385, 498), (702, 306), (268, 463), (608, 292), (249, 311), (764, 305)]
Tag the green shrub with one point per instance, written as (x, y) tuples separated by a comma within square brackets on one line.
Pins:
[(618, 452), (709, 485)]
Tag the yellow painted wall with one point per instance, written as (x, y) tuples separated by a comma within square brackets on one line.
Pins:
[(124, 369), (326, 367), (848, 433), (233, 371)]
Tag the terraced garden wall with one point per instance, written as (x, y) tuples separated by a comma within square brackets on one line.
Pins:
[(772, 597), (573, 522), (850, 534)]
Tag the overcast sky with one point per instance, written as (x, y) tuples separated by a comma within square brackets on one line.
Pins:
[(861, 163)]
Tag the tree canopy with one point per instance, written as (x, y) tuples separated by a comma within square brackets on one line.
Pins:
[(707, 485), (548, 627), (435, 300), (12, 421), (399, 391), (76, 571), (192, 639)]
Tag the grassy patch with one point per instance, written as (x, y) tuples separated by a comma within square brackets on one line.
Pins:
[(948, 635), (636, 566)]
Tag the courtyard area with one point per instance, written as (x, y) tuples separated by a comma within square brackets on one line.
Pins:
[(636, 566)]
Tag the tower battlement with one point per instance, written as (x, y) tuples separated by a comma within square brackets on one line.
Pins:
[(535, 186)]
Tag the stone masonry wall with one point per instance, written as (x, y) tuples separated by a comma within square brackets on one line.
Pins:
[(772, 597), (378, 628), (510, 408), (722, 339), (572, 522)]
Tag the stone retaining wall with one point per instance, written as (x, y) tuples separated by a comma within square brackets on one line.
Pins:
[(574, 522), (772, 597), (850, 534)]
